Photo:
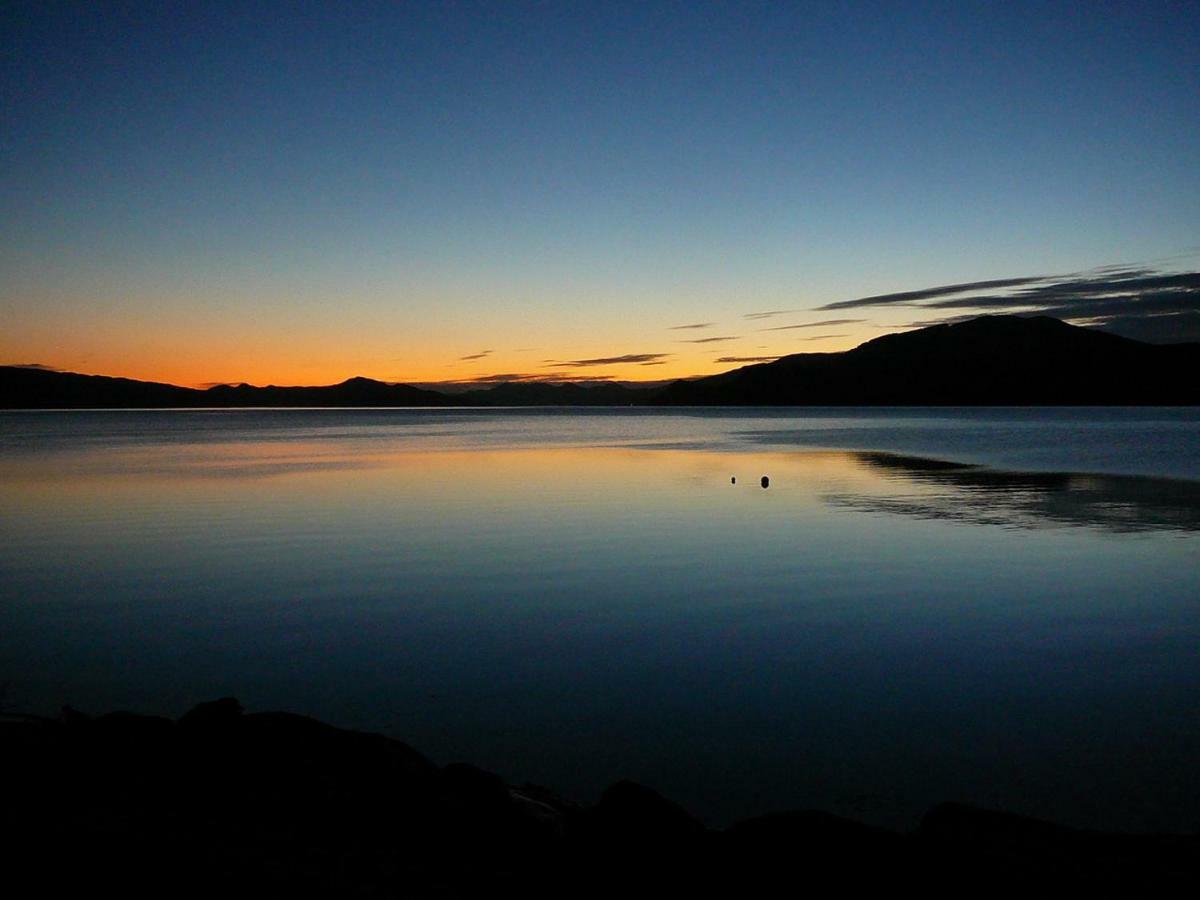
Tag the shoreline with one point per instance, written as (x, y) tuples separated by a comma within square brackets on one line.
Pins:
[(269, 801)]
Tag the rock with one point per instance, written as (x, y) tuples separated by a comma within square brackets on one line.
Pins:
[(639, 813), (73, 717), (809, 848), (538, 818), (215, 713), (766, 482)]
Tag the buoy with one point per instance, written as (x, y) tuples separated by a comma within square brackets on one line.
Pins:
[(733, 480), (766, 482)]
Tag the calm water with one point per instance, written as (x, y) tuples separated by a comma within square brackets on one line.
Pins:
[(576, 597)]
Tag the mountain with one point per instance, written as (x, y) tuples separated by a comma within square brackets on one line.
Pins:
[(30, 388), (525, 393), (992, 360), (351, 392)]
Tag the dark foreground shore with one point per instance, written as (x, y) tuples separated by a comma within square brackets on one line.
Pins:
[(226, 803)]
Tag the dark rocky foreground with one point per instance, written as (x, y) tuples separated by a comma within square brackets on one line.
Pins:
[(224, 803)]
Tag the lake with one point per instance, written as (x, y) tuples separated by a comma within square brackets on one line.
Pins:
[(1000, 606)]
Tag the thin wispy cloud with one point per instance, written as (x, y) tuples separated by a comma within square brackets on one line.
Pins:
[(480, 355), (769, 313), (747, 359), (532, 377), (943, 290), (1105, 295), (37, 366), (709, 340), (609, 360), (690, 327), (827, 323), (1136, 300), (822, 337)]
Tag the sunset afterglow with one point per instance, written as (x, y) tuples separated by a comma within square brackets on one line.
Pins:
[(429, 193)]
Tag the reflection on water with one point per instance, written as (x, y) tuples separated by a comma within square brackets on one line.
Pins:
[(982, 496), (549, 601)]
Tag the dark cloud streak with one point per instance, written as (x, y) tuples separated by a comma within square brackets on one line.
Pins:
[(769, 313), (1164, 304), (525, 377), (929, 293), (824, 324), (608, 360)]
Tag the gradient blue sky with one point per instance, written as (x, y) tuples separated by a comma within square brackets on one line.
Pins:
[(300, 192)]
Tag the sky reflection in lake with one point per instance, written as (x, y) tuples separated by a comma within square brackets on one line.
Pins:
[(871, 634)]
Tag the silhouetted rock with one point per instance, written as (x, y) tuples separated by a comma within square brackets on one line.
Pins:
[(1031, 852), (541, 818), (816, 847), (637, 813), (275, 804), (765, 482), (215, 714), (72, 716)]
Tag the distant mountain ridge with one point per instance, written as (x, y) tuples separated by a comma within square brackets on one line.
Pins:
[(25, 388), (988, 361)]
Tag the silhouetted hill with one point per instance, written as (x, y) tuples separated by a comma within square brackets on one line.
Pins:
[(28, 388), (351, 392), (542, 394), (992, 360)]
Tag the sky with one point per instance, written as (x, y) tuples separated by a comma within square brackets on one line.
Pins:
[(297, 193)]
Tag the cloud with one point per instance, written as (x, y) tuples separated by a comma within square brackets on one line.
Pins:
[(38, 366), (1103, 295), (609, 360), (480, 355), (824, 324), (535, 377), (927, 293), (747, 359), (709, 340), (1109, 297), (822, 337), (770, 313), (686, 327)]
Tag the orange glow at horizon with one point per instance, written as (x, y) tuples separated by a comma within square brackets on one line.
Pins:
[(201, 356)]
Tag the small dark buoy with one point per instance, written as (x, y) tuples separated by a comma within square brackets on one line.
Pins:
[(766, 482), (733, 480)]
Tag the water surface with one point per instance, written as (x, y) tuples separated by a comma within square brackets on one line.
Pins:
[(998, 606)]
